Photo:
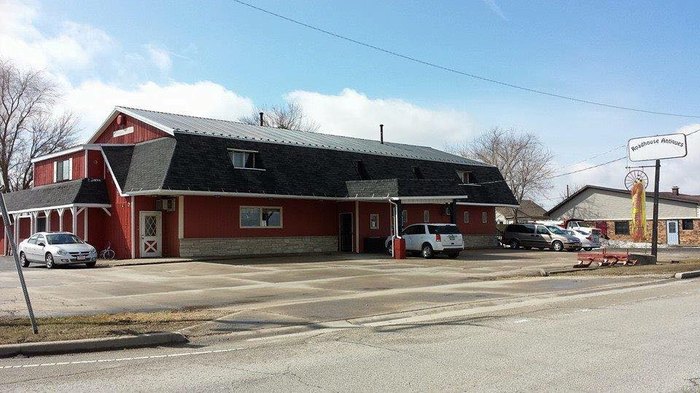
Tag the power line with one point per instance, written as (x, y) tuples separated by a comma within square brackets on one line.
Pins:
[(458, 72), (588, 168)]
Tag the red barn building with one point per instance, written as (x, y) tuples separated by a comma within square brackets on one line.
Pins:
[(155, 184)]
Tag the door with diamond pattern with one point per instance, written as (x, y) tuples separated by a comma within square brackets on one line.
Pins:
[(151, 231)]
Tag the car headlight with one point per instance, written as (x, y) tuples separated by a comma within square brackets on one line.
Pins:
[(61, 252), (93, 251)]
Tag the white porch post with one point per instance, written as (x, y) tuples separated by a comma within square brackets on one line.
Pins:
[(74, 219), (47, 213), (32, 222), (15, 224), (60, 218)]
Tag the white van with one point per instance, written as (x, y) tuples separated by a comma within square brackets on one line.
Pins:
[(431, 239)]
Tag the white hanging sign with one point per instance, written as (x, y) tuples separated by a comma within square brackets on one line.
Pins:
[(657, 147)]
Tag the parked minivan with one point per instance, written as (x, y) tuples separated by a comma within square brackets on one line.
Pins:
[(539, 236), (431, 239)]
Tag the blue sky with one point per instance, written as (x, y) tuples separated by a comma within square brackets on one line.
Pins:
[(220, 59)]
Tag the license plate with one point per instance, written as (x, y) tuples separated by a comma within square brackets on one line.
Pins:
[(81, 258)]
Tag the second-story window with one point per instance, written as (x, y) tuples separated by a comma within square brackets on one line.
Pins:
[(63, 170), (246, 159)]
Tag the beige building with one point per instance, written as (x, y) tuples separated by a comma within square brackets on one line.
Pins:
[(610, 210)]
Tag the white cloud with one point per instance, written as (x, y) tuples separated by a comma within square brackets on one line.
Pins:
[(73, 47), (160, 57), (354, 114), (495, 8), (94, 100)]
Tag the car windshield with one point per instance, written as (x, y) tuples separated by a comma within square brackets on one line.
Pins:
[(63, 238), (443, 229), (556, 230)]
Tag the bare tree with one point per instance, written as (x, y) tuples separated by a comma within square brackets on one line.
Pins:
[(28, 127), (288, 117), (524, 162)]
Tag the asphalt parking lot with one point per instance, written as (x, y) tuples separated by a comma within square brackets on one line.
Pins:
[(265, 292)]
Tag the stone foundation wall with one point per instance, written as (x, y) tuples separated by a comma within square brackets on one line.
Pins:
[(480, 241), (257, 246), (686, 237)]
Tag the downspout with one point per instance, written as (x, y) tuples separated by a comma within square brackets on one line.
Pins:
[(396, 225)]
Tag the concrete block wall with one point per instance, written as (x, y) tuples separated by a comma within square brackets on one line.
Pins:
[(480, 241), (202, 247)]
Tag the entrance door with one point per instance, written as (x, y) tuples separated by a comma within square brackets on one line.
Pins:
[(672, 232), (151, 231), (345, 232)]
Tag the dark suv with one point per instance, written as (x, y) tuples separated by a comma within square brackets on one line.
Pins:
[(539, 236)]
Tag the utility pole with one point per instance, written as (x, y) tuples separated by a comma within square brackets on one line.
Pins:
[(13, 246)]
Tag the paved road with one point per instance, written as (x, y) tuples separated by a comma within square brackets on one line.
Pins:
[(635, 339)]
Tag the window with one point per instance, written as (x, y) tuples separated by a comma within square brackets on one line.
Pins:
[(466, 217), (465, 177), (415, 230), (426, 216), (245, 159), (622, 227), (261, 217), (443, 229), (417, 172), (361, 170), (542, 230), (484, 217), (374, 221), (32, 239), (404, 217), (62, 170), (687, 225)]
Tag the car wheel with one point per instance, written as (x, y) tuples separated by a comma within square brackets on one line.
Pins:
[(588, 248), (514, 244), (427, 251), (49, 261), (90, 264), (557, 245), (23, 259)]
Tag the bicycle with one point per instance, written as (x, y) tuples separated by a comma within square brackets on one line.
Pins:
[(107, 253)]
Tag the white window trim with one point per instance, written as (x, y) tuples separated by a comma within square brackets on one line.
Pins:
[(70, 170), (370, 220), (466, 217), (461, 177), (426, 216), (484, 217), (243, 151), (240, 217)]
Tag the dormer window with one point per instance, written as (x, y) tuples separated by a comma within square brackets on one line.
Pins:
[(62, 170), (245, 159), (362, 171), (465, 177), (417, 172)]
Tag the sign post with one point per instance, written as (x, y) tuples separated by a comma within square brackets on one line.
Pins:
[(13, 246), (657, 148)]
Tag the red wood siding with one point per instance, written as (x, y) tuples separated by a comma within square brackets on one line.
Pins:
[(218, 217), (170, 241), (117, 228), (142, 132), (43, 170), (96, 167), (475, 226), (384, 230)]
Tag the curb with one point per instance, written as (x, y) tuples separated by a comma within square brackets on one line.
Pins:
[(91, 344), (691, 274)]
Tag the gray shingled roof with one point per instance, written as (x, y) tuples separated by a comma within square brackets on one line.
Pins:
[(230, 129), (143, 166), (82, 191)]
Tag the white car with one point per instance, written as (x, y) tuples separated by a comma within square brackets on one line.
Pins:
[(56, 248), (589, 241), (431, 239)]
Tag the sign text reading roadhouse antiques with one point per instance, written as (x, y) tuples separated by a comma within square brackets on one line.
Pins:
[(657, 147)]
